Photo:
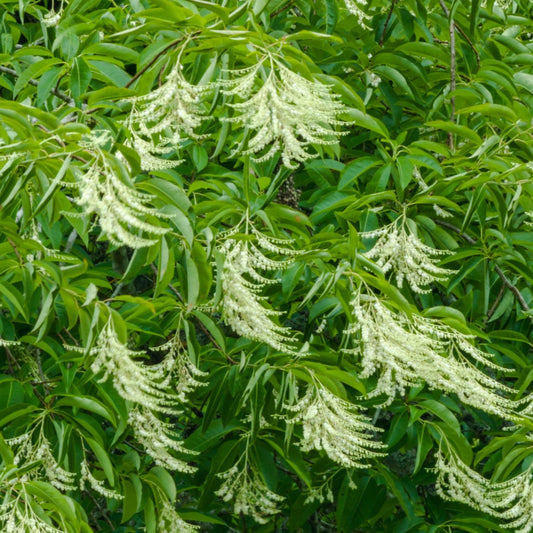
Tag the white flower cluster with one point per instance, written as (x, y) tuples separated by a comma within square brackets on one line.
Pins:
[(18, 513), (98, 485), (242, 485), (119, 207), (51, 19), (146, 386), (39, 452), (335, 426), (169, 521), (401, 251), (287, 113), (406, 351), (158, 438), (181, 372), (242, 305), (510, 501), (134, 381), (159, 119), (355, 8)]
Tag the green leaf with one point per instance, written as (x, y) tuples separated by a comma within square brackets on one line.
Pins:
[(80, 77)]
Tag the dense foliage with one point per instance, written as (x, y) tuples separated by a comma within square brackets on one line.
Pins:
[(266, 265)]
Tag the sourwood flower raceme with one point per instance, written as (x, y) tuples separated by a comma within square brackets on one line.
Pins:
[(399, 250), (34, 448), (160, 120), (181, 372), (242, 283), (355, 7), (18, 511), (120, 208), (404, 352), (169, 521), (509, 501), (336, 426), (287, 114), (243, 486), (88, 480), (158, 438), (133, 380)]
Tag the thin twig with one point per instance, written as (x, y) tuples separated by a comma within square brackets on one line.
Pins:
[(385, 26), (471, 44), (453, 68), (15, 250), (157, 56), (56, 92), (512, 288), (493, 307), (523, 304), (198, 321), (102, 512)]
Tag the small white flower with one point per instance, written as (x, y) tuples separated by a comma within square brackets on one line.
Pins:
[(169, 521), (52, 18), (355, 8)]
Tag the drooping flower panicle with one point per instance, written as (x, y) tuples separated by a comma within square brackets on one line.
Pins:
[(288, 113), (404, 352), (335, 426), (243, 486), (242, 305), (162, 119), (399, 250), (510, 501)]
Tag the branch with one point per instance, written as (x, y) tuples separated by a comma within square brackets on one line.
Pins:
[(198, 321), (56, 92), (453, 68), (471, 44), (385, 26), (157, 56), (507, 282)]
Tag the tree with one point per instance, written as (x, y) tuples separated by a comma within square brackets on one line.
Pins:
[(266, 265)]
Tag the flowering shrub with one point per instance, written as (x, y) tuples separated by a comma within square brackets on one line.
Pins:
[(266, 266)]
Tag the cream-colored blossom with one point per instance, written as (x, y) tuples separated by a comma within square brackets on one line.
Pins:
[(287, 114), (182, 373), (158, 439), (160, 120), (399, 250), (510, 501), (34, 447), (135, 381), (404, 352), (243, 486), (242, 302), (169, 521), (18, 512), (355, 8), (52, 18), (120, 208), (334, 425), (97, 485)]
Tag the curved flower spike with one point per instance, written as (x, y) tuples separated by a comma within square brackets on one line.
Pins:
[(288, 113)]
